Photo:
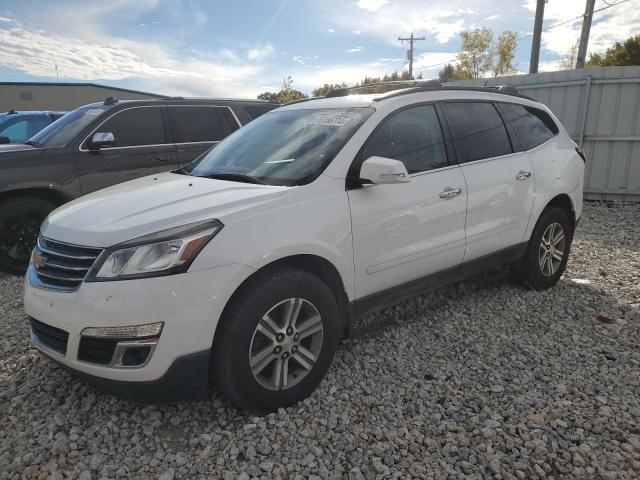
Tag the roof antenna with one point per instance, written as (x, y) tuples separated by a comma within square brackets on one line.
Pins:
[(110, 101)]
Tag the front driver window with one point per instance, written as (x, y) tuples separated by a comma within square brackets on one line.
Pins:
[(412, 136)]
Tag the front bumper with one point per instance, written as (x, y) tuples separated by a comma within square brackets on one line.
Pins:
[(189, 305)]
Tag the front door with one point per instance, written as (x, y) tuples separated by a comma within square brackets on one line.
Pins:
[(141, 148), (406, 231), (499, 181)]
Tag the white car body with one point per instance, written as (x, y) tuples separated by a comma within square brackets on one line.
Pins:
[(376, 238)]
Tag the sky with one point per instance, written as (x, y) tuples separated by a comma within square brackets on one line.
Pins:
[(241, 48)]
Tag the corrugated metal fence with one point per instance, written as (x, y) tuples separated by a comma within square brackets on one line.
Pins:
[(600, 107)]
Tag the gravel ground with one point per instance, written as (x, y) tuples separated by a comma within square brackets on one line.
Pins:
[(480, 380)]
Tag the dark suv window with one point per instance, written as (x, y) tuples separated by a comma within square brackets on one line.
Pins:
[(478, 131), (412, 136), (201, 124), (532, 126), (136, 126), (255, 111)]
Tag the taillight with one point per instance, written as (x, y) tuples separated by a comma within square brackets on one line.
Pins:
[(581, 153)]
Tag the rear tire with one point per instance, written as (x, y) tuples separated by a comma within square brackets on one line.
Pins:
[(548, 250), (275, 341), (20, 220)]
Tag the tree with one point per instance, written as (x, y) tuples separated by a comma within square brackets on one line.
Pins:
[(327, 87), (286, 94), (619, 54), (504, 51), (569, 61), (451, 73), (476, 54)]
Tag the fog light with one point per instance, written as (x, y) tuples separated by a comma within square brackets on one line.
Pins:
[(132, 331), (134, 356)]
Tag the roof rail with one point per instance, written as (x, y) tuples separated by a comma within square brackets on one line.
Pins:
[(11, 112), (110, 101), (302, 100), (384, 86)]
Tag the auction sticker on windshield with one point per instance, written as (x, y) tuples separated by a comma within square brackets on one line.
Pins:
[(331, 119)]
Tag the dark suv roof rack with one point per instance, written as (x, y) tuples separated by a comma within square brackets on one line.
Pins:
[(110, 101)]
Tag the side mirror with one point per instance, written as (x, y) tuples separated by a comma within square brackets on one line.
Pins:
[(101, 140), (381, 171), (4, 139)]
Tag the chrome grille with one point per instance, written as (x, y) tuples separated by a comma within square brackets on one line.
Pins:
[(61, 265)]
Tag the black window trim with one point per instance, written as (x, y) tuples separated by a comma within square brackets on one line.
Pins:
[(515, 148), (165, 121), (352, 179)]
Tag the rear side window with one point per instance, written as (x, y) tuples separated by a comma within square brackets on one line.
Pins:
[(255, 111), (15, 131), (477, 130), (136, 127), (201, 124), (412, 136), (532, 126)]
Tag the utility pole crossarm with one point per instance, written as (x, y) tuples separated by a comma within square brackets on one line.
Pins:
[(412, 40)]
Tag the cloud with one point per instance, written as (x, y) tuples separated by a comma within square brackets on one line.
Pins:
[(37, 53), (371, 5), (491, 17), (260, 53), (330, 30), (357, 32), (355, 50)]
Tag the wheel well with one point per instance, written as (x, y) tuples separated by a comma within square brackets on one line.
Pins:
[(47, 194), (563, 201), (315, 265)]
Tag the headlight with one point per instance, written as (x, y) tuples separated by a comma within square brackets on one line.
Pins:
[(163, 253)]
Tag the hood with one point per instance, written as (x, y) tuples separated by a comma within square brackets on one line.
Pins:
[(151, 204), (13, 147)]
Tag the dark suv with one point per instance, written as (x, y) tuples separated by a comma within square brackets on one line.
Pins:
[(99, 145)]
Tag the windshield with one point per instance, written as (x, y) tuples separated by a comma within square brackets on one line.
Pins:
[(290, 147), (65, 129)]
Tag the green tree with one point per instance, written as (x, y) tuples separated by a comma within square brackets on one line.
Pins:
[(504, 51), (476, 53), (451, 73), (619, 54), (286, 94), (327, 87)]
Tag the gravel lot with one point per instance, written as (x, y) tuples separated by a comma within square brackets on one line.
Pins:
[(480, 380)]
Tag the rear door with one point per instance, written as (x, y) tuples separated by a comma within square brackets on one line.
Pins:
[(141, 148), (499, 178), (407, 231), (197, 128)]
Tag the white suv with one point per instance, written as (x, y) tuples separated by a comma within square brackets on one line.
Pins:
[(246, 267)]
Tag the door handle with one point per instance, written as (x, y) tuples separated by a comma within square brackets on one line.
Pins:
[(450, 192), (522, 175)]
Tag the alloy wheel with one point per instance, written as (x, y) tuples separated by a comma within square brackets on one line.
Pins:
[(286, 344), (551, 250), (19, 237)]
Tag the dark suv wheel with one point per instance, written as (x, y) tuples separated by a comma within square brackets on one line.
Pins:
[(20, 220), (276, 341), (548, 250)]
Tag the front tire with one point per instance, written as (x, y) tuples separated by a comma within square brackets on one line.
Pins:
[(548, 250), (20, 220), (275, 341)]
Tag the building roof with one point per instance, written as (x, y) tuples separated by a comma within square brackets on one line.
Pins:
[(80, 84)]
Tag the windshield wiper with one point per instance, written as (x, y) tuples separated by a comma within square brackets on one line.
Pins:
[(235, 177), (33, 144)]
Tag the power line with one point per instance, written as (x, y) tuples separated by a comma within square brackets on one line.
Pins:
[(618, 2)]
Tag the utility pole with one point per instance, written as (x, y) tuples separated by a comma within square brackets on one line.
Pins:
[(412, 40), (537, 36), (584, 36)]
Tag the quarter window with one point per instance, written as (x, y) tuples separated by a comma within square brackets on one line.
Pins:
[(136, 126), (201, 124), (532, 126), (477, 130), (412, 136)]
